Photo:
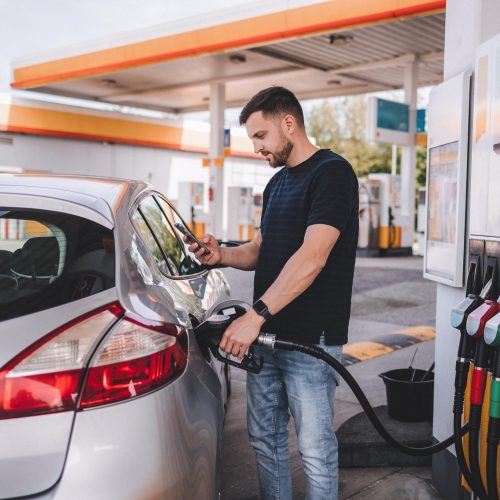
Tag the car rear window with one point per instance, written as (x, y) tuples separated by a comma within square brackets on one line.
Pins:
[(51, 258)]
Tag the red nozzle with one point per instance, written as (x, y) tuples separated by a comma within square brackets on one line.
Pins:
[(478, 386), (478, 318)]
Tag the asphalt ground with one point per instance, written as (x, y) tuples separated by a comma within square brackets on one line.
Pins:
[(389, 296)]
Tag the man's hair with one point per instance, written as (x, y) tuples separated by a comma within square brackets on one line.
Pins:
[(275, 102)]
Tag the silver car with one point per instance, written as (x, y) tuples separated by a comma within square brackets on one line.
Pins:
[(104, 391)]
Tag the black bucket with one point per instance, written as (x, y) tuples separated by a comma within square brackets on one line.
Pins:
[(409, 398)]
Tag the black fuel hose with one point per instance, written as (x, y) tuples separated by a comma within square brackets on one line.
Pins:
[(461, 376), (317, 352), (475, 468), (459, 449), (478, 383)]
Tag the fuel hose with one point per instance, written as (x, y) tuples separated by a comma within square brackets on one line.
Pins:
[(271, 341), (478, 385), (461, 376)]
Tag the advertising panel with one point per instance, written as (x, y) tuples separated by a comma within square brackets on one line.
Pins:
[(448, 123), (442, 210)]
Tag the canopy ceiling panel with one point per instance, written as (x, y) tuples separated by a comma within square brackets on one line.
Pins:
[(363, 59)]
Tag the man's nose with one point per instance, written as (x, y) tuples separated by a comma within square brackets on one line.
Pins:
[(257, 148)]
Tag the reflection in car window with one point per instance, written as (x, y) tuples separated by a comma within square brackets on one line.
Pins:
[(163, 234), (189, 264), (50, 258), (147, 236)]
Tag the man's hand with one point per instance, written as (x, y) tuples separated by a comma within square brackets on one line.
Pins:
[(214, 257), (241, 333)]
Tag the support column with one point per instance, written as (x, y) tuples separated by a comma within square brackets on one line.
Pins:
[(216, 177), (394, 159), (409, 158)]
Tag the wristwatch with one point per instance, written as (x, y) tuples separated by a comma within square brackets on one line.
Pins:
[(261, 309)]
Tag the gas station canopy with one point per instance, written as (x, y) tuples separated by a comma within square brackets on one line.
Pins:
[(337, 47)]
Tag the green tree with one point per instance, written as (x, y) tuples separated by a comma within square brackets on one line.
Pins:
[(340, 125), (421, 166)]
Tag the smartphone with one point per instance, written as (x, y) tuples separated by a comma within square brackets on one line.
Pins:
[(193, 239)]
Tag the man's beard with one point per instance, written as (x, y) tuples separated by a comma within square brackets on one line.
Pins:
[(281, 156)]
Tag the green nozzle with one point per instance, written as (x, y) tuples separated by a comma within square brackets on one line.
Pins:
[(492, 331), (495, 398)]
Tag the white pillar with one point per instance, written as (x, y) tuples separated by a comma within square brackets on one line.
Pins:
[(394, 159), (409, 158), (216, 177)]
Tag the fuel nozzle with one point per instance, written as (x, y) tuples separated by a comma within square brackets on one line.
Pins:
[(210, 332), (460, 313), (492, 331), (459, 316), (476, 326), (478, 318), (486, 308)]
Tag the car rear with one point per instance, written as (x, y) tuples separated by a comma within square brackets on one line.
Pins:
[(87, 404)]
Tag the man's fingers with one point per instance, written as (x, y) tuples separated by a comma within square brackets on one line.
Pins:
[(227, 344), (235, 351), (242, 351), (223, 342), (199, 253)]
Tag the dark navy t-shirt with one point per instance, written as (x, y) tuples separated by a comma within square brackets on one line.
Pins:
[(321, 190)]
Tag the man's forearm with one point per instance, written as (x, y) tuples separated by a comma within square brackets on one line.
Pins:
[(241, 257)]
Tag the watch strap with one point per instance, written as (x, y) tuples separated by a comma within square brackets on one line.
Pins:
[(261, 309)]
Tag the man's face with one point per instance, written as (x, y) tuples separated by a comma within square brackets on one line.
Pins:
[(269, 138)]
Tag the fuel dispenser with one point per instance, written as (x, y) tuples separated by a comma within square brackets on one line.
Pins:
[(380, 222), (191, 206), (477, 317), (258, 201), (368, 217), (240, 217)]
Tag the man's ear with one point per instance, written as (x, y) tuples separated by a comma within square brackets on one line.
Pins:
[(288, 124)]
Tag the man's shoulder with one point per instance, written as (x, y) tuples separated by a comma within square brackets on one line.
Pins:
[(327, 156), (332, 163)]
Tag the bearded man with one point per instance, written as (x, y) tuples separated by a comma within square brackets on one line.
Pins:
[(303, 257)]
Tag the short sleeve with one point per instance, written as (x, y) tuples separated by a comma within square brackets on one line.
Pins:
[(333, 194)]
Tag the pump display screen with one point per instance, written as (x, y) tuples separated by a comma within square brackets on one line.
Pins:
[(442, 210)]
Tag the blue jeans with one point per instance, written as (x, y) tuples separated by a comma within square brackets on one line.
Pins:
[(296, 383)]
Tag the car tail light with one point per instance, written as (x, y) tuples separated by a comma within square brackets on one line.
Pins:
[(52, 375), (134, 359), (46, 377)]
